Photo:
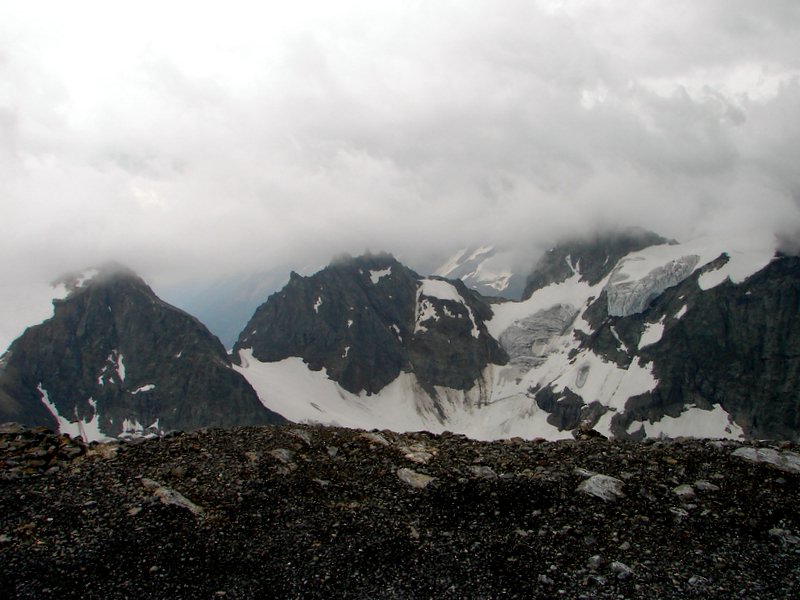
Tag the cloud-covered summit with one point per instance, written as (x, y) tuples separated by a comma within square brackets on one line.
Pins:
[(189, 139)]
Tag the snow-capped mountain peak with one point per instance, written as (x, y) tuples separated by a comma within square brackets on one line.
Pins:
[(486, 270)]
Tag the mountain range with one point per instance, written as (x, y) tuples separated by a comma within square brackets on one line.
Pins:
[(625, 334)]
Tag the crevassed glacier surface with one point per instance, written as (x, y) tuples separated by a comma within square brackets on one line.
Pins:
[(631, 296)]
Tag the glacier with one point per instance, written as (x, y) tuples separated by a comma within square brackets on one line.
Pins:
[(628, 296)]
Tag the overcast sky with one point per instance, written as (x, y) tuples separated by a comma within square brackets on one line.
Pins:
[(198, 138)]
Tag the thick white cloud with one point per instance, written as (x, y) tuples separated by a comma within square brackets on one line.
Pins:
[(196, 138)]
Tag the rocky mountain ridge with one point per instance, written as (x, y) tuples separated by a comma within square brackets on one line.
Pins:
[(629, 333), (735, 346), (594, 258), (367, 319)]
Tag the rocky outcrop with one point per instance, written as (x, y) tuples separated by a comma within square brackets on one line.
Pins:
[(737, 346), (367, 319), (316, 512), (115, 359)]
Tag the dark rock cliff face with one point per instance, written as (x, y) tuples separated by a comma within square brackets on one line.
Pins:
[(593, 258), (737, 346), (115, 352), (366, 319), (733, 345)]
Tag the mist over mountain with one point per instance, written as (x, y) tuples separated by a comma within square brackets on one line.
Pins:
[(439, 299), (494, 152), (626, 333), (272, 133)]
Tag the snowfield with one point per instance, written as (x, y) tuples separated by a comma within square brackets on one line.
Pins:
[(306, 396)]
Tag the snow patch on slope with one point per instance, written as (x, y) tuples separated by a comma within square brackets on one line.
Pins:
[(145, 388), (88, 431), (452, 263), (692, 422), (652, 334), (483, 269), (606, 382), (572, 292), (442, 290), (529, 340), (120, 366), (483, 250), (425, 312), (641, 276), (747, 256), (376, 276), (631, 292), (133, 428)]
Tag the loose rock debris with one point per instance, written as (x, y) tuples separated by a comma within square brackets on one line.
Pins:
[(318, 512)]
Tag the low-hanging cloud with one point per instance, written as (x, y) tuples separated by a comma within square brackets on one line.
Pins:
[(195, 139)]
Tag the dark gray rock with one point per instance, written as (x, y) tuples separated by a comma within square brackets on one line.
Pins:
[(356, 319), (115, 349)]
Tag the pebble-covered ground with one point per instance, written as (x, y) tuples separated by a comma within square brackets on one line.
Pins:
[(319, 512)]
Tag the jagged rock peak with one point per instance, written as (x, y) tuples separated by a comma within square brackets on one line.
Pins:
[(592, 257), (367, 319)]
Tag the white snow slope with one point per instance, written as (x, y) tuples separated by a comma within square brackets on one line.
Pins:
[(482, 268), (500, 404)]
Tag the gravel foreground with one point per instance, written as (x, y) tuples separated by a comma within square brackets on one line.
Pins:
[(321, 512)]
